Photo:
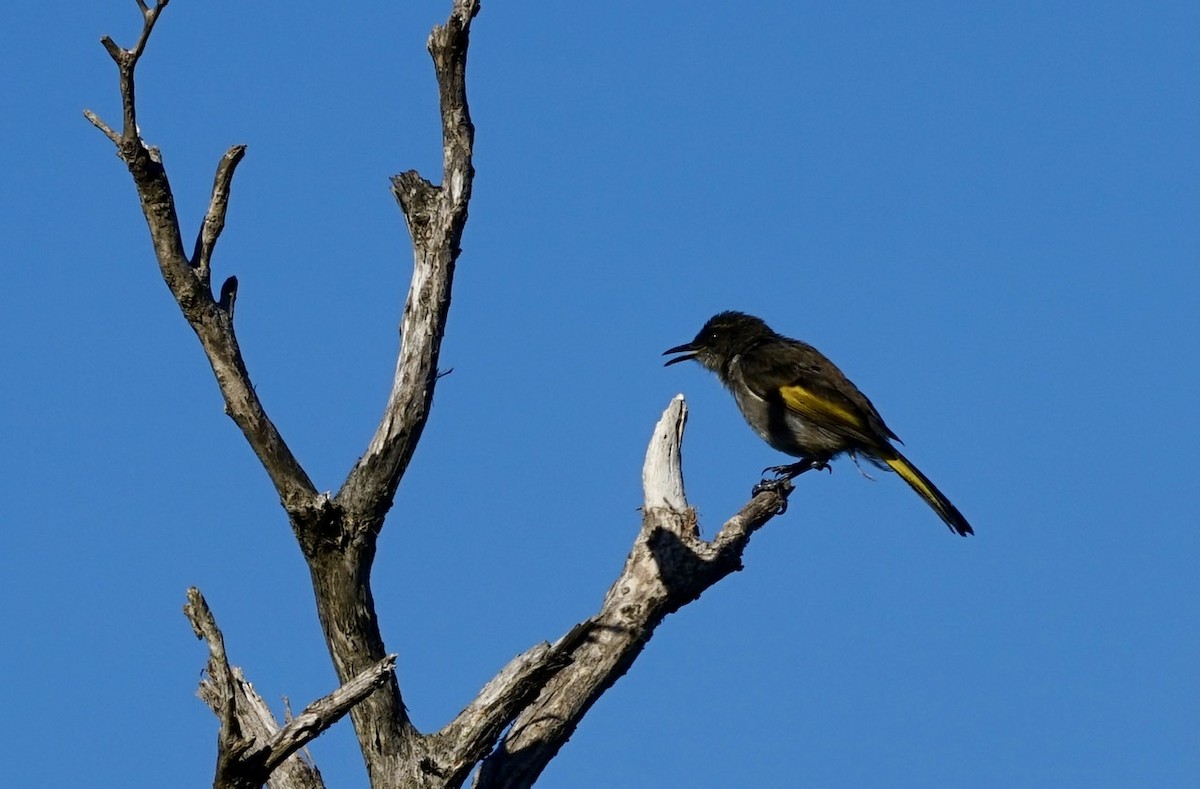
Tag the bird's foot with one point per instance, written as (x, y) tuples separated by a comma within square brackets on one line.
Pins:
[(781, 482), (778, 484)]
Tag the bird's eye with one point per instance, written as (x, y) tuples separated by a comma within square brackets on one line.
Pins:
[(712, 336)]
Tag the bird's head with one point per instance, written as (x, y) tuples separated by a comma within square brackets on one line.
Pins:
[(724, 336)]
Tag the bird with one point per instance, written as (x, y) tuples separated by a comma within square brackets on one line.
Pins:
[(801, 404)]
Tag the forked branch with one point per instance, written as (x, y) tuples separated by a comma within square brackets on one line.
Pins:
[(126, 60), (670, 566), (475, 731), (189, 279), (252, 746)]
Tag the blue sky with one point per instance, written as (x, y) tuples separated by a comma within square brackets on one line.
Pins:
[(987, 214)]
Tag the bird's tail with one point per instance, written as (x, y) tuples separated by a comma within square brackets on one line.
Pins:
[(928, 491)]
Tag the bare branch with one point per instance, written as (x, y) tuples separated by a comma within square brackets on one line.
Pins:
[(212, 322), (725, 549), (252, 748), (326, 711), (114, 51), (214, 219), (220, 675), (436, 216), (102, 126), (149, 17), (127, 59), (448, 46), (474, 732), (669, 567), (238, 763), (662, 471)]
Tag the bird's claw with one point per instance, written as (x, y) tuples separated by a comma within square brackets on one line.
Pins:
[(782, 472), (781, 482)]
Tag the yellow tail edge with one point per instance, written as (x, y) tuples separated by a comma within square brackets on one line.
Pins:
[(928, 491)]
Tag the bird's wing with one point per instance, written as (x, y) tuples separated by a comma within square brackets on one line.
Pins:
[(814, 388)]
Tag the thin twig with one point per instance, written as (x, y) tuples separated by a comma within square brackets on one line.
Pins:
[(102, 126), (150, 16)]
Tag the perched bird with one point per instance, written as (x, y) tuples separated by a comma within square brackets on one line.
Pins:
[(800, 403)]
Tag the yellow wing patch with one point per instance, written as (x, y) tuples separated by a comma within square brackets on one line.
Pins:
[(820, 409)]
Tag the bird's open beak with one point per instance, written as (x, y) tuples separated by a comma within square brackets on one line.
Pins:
[(687, 349)]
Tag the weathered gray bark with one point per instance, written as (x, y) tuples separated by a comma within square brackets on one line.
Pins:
[(252, 747), (542, 694), (669, 567)]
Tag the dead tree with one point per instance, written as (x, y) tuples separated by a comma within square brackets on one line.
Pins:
[(526, 713)]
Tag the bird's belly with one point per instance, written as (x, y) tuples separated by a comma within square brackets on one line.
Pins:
[(785, 430)]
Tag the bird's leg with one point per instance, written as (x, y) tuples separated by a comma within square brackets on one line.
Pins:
[(793, 470), (785, 474)]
